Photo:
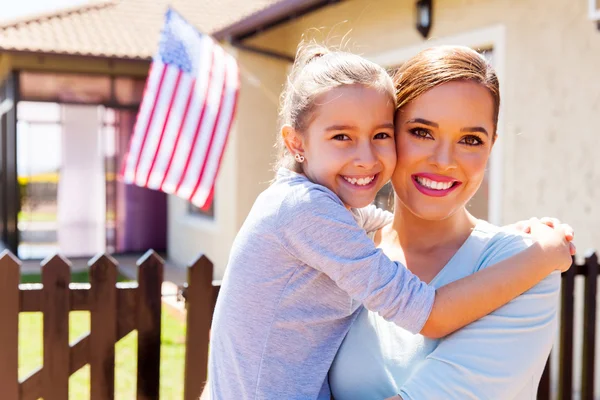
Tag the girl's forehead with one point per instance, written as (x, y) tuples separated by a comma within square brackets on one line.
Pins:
[(353, 101)]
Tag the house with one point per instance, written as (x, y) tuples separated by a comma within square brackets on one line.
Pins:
[(546, 53)]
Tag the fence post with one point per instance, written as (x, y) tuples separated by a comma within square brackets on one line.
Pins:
[(565, 384), (150, 278), (200, 305), (56, 275), (9, 326), (543, 392), (103, 330), (589, 327)]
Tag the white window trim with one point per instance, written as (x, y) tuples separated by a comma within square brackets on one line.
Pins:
[(594, 10), (493, 37)]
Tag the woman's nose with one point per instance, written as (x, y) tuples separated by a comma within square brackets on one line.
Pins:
[(443, 157)]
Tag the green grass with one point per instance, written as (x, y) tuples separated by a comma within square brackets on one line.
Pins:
[(172, 353), (76, 277)]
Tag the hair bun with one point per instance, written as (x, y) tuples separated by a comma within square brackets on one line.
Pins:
[(309, 52), (317, 54)]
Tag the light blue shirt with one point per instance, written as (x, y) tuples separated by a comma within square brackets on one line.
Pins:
[(499, 357), (299, 269)]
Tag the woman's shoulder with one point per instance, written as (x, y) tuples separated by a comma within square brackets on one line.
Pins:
[(499, 243)]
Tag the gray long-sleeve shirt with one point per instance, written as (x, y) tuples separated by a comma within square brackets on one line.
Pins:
[(300, 267)]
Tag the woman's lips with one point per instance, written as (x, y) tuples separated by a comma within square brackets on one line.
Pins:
[(435, 185)]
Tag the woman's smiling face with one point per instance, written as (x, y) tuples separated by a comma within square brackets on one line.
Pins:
[(443, 139)]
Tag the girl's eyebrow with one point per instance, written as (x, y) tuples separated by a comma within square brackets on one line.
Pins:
[(387, 125), (341, 128)]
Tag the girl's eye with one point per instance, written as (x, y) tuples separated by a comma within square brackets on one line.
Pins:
[(382, 135), (471, 141), (341, 136), (421, 133)]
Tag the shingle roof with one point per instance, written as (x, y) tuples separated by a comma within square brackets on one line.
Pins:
[(126, 29)]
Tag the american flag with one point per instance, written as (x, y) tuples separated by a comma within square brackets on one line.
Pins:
[(185, 116)]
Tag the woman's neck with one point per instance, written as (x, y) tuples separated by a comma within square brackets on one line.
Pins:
[(415, 234)]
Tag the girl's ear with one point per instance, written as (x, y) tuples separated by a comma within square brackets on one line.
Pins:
[(293, 140)]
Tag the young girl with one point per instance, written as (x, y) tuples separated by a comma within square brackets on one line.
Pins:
[(302, 263)]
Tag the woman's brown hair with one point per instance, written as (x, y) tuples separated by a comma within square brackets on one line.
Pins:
[(442, 64)]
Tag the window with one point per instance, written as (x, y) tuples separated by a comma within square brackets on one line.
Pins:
[(210, 213), (385, 197)]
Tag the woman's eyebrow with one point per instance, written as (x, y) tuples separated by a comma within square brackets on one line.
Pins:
[(422, 121), (433, 124), (475, 129)]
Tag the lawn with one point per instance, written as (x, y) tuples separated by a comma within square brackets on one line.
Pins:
[(172, 352)]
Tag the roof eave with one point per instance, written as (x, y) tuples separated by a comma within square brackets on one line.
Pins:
[(279, 13), (145, 59)]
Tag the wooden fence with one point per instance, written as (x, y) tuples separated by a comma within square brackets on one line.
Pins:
[(119, 308), (589, 271), (115, 310)]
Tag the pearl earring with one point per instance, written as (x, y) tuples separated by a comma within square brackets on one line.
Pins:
[(299, 157)]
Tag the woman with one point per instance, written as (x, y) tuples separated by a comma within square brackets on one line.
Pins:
[(448, 102)]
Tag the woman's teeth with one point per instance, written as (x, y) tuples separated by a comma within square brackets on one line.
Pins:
[(428, 183), (360, 181)]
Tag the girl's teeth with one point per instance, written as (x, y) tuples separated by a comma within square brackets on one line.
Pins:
[(360, 181), (433, 184)]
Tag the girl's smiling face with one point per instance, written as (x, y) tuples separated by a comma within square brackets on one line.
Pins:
[(349, 143)]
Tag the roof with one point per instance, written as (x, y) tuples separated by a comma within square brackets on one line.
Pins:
[(124, 29)]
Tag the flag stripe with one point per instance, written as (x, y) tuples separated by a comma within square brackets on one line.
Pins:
[(219, 135), (142, 120), (167, 147), (154, 98), (190, 169), (139, 116), (205, 204), (160, 113), (211, 140), (164, 127), (201, 92), (179, 132)]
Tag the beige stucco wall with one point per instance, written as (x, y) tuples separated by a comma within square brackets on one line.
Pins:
[(191, 235), (4, 66)]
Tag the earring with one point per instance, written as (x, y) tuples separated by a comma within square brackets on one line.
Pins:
[(299, 157)]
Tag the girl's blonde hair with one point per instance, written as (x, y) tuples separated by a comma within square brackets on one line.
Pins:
[(316, 70)]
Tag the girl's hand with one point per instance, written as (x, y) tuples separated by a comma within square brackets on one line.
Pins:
[(553, 240), (525, 227)]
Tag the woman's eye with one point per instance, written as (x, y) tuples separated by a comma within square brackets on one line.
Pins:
[(421, 133), (341, 136), (472, 141), (382, 135)]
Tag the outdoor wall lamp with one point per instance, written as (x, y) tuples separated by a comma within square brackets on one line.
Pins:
[(594, 11), (424, 12)]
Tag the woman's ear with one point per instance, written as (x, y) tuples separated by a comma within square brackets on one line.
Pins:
[(293, 140)]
